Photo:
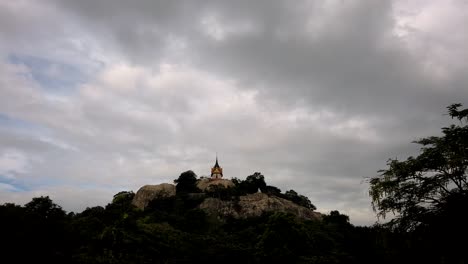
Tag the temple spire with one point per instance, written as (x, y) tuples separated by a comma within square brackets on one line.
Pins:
[(216, 171)]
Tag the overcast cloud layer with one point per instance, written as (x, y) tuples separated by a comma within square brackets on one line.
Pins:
[(97, 97)]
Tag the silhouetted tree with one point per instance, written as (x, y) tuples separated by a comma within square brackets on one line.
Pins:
[(272, 190), (335, 217), (301, 200), (43, 207), (45, 225), (255, 182), (421, 186), (187, 183), (429, 194)]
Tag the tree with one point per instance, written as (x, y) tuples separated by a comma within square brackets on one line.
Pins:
[(272, 190), (255, 182), (44, 207), (123, 197), (336, 218), (187, 182), (299, 199), (45, 225), (283, 240), (420, 188)]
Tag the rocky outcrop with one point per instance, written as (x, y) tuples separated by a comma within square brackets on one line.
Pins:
[(148, 193), (256, 204), (206, 184), (251, 205)]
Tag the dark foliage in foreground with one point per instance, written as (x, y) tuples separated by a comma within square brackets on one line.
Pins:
[(172, 230)]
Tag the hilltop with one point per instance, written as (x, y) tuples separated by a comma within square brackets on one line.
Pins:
[(237, 206), (228, 198)]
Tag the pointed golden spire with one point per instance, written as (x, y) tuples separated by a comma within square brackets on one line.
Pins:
[(216, 171)]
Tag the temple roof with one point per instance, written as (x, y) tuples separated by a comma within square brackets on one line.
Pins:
[(216, 164), (216, 170)]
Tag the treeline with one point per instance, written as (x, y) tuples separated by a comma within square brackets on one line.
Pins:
[(173, 230)]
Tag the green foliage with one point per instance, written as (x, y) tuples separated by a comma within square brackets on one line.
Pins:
[(419, 188), (123, 197)]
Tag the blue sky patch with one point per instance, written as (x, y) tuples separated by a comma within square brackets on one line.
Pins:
[(15, 185), (52, 75), (20, 125)]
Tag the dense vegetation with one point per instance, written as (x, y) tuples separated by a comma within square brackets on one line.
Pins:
[(427, 193), (173, 231)]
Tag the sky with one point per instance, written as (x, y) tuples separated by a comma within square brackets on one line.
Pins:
[(102, 96)]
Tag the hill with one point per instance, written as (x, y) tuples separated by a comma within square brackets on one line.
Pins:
[(242, 206)]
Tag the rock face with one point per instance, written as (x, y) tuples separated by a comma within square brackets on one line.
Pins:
[(148, 193), (251, 205), (205, 184), (256, 204)]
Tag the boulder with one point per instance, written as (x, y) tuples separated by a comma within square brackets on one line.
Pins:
[(250, 205), (205, 184), (254, 205), (148, 193)]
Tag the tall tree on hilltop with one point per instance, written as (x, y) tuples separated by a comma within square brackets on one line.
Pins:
[(187, 182)]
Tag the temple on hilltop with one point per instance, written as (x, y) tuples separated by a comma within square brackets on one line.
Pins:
[(216, 171)]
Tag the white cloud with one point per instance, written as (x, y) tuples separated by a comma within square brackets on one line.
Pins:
[(433, 30), (213, 26), (12, 162)]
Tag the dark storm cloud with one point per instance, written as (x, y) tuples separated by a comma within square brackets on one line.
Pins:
[(352, 63)]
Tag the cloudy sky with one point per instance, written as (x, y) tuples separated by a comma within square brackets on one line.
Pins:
[(102, 96)]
